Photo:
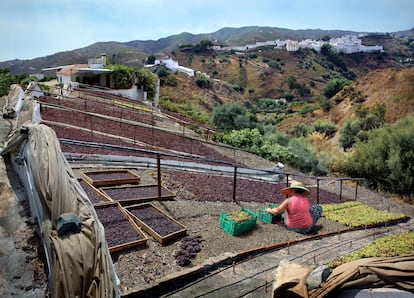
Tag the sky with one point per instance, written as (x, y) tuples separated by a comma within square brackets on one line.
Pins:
[(37, 28)]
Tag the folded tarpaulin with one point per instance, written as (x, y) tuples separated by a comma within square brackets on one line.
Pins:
[(81, 264), (290, 280), (392, 272)]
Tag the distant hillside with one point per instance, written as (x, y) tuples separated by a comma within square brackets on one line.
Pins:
[(135, 52), (233, 36), (263, 73), (390, 86), (115, 51)]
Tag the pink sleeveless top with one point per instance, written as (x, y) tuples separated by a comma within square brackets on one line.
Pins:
[(298, 215)]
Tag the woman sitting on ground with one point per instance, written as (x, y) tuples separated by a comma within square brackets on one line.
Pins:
[(299, 216)]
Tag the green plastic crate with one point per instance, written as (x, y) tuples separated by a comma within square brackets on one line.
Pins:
[(268, 217), (234, 228)]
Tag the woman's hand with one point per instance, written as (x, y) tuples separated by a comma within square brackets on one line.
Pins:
[(271, 210)]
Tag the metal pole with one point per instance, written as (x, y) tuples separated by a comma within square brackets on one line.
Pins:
[(356, 190), (234, 183), (317, 191), (340, 191), (135, 133), (159, 175)]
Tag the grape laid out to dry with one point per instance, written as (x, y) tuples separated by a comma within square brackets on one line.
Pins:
[(240, 216)]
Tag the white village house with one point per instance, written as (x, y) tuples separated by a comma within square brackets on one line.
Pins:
[(347, 44), (92, 73), (172, 66)]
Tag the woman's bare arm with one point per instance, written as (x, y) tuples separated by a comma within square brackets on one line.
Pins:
[(279, 209)]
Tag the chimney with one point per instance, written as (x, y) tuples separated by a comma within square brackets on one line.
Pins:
[(103, 60)]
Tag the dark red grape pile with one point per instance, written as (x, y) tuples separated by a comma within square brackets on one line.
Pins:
[(189, 248)]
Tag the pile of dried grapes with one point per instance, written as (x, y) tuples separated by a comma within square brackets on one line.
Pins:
[(189, 248)]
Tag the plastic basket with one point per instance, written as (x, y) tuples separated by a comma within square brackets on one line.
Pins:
[(268, 217), (236, 228)]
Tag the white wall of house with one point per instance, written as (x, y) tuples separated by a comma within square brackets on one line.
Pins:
[(170, 64), (292, 45), (63, 79), (186, 70), (97, 62)]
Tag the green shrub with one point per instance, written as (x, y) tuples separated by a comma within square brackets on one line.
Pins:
[(232, 116), (306, 160), (171, 80), (348, 133), (367, 119), (202, 81), (326, 104), (325, 127), (244, 139), (6, 79), (334, 86), (307, 108), (299, 129), (276, 153), (386, 159)]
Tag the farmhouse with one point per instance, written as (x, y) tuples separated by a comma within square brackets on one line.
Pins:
[(92, 73), (172, 66)]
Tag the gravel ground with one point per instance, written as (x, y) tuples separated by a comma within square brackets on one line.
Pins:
[(145, 265)]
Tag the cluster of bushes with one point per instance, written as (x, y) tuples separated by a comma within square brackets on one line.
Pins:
[(240, 128), (383, 154), (7, 79), (385, 158), (357, 129)]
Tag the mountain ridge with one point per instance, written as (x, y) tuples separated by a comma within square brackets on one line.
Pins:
[(134, 52)]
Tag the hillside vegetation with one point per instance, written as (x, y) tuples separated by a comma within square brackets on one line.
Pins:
[(312, 131)]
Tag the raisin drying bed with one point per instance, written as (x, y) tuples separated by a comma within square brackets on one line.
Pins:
[(121, 232), (95, 195), (129, 195), (156, 223), (110, 177)]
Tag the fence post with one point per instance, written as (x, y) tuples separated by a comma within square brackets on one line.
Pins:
[(317, 191), (135, 133), (159, 175), (120, 117), (340, 191), (234, 183), (356, 190)]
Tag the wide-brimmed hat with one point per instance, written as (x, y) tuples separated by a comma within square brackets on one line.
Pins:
[(295, 185)]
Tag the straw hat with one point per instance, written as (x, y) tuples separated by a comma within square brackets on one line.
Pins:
[(295, 185)]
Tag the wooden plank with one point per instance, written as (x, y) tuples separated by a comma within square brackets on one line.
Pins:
[(135, 194), (144, 223), (95, 195), (103, 178), (123, 216)]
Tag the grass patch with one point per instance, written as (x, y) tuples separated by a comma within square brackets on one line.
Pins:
[(389, 246), (357, 214)]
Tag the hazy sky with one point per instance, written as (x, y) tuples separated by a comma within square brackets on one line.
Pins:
[(35, 28)]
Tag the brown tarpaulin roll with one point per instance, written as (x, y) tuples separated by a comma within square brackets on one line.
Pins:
[(81, 263), (395, 272), (290, 280)]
